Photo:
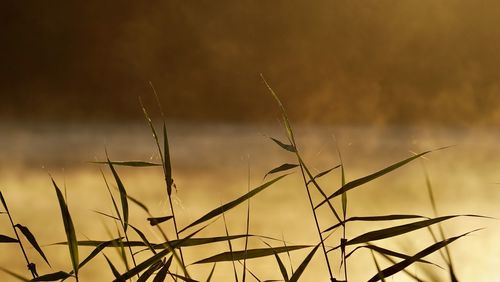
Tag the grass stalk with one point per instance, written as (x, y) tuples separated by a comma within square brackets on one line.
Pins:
[(30, 265)]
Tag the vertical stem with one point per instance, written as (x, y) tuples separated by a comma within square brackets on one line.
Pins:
[(17, 236), (315, 218)]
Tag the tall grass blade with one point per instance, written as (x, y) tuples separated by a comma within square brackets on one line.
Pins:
[(144, 239), (123, 195), (300, 270), (29, 236), (398, 230), (230, 248), (448, 259), (323, 173), (186, 242), (211, 274), (251, 253), (280, 264), (96, 251), (7, 239), (162, 274), (281, 168), (387, 252), (375, 218), (55, 276), (218, 211), (363, 180), (150, 271), (166, 159), (138, 203), (153, 259), (405, 263), (130, 163), (69, 228), (379, 274), (115, 272)]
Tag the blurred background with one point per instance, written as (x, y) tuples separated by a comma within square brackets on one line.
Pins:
[(385, 78), (331, 61)]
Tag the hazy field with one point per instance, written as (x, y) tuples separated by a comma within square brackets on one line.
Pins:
[(210, 164)]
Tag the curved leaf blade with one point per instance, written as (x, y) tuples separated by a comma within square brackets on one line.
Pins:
[(220, 210), (69, 228), (249, 254)]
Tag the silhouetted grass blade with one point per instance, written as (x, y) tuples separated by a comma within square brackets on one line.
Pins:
[(157, 220), (115, 272), (405, 263), (7, 239), (360, 181), (55, 276), (183, 278), (29, 236), (123, 195), (281, 168), (251, 253), (130, 163), (137, 202), (288, 147), (162, 274), (387, 252), (323, 173), (375, 218), (146, 274), (232, 204), (296, 275), (379, 274), (397, 230), (211, 273), (143, 238), (96, 251), (69, 228), (166, 159)]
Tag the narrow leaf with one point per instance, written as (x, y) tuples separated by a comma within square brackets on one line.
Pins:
[(281, 168), (288, 147), (360, 181), (397, 230), (157, 220), (251, 253), (137, 202), (375, 218), (115, 272), (162, 274), (323, 173), (380, 276), (232, 204), (6, 239), (295, 277), (96, 251), (53, 276), (146, 274), (211, 272), (166, 158), (130, 163), (29, 236), (405, 263), (387, 252), (69, 229), (123, 195)]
